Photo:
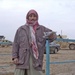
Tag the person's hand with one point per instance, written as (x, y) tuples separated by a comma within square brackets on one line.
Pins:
[(15, 61), (53, 36)]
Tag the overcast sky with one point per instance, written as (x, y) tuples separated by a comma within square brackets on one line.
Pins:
[(58, 15)]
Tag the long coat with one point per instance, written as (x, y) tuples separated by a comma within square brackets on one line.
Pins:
[(22, 48)]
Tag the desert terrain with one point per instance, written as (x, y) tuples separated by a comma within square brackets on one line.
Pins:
[(7, 67)]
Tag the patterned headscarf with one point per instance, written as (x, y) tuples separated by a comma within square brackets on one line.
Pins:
[(33, 26)]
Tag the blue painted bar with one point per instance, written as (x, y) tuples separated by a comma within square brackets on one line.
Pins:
[(65, 40), (4, 66), (47, 58), (66, 61)]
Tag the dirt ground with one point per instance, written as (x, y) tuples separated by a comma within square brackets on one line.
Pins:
[(7, 68)]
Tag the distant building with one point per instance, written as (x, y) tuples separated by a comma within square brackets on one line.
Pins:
[(64, 36), (2, 37)]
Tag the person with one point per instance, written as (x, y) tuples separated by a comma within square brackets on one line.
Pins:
[(60, 36), (29, 45)]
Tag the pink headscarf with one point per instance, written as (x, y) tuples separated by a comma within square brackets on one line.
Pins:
[(35, 24)]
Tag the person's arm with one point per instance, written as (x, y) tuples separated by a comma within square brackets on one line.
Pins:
[(15, 48)]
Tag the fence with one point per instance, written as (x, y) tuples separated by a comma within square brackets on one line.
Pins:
[(48, 56)]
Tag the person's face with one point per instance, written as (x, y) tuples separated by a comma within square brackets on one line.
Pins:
[(32, 17)]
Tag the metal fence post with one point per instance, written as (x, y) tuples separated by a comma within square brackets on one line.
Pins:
[(47, 58)]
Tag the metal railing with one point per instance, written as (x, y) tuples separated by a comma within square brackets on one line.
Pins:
[(48, 55)]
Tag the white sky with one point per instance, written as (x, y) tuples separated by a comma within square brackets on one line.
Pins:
[(55, 14)]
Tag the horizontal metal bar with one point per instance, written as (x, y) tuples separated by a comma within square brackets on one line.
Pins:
[(66, 61), (65, 40), (3, 66)]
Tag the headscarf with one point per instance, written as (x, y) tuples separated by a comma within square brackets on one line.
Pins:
[(33, 26), (28, 22)]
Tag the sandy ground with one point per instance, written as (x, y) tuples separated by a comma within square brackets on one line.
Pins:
[(62, 69), (7, 68)]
